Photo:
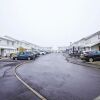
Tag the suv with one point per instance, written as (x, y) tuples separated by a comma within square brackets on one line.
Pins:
[(24, 56), (91, 56)]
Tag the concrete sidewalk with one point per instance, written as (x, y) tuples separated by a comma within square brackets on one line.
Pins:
[(3, 58), (78, 61), (95, 63)]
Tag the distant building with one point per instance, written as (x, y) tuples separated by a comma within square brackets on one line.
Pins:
[(48, 49), (62, 49)]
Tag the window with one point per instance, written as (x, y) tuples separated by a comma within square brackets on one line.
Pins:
[(17, 42), (13, 43), (98, 36), (99, 48), (0, 41), (7, 42), (21, 53)]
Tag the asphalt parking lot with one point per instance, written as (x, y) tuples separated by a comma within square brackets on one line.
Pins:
[(51, 76), (56, 79), (10, 87)]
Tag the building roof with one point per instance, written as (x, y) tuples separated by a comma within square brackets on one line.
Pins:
[(26, 42), (13, 39), (97, 33), (79, 41), (5, 38), (86, 38)]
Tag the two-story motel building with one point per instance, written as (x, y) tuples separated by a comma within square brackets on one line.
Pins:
[(89, 43), (10, 45)]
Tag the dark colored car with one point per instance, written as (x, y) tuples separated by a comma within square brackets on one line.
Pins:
[(24, 56), (36, 53), (91, 56)]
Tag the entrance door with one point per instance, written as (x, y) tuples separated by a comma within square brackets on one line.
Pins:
[(2, 52), (99, 48)]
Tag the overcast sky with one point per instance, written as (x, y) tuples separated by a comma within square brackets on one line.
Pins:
[(49, 22)]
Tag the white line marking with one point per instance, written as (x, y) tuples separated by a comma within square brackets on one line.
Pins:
[(23, 82), (97, 98)]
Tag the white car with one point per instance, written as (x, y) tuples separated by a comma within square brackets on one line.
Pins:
[(42, 53)]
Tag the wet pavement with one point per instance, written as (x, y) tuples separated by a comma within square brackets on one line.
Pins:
[(10, 87), (56, 79), (78, 61)]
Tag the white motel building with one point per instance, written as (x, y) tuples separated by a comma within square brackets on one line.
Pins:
[(89, 43), (10, 45)]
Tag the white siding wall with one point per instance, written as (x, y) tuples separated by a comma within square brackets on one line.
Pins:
[(92, 40), (88, 43), (96, 47), (82, 43), (3, 42), (6, 43), (9, 45), (0, 52)]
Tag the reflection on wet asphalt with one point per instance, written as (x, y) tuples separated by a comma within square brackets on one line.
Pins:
[(55, 78)]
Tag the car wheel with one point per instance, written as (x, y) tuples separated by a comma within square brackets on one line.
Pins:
[(34, 58), (91, 60), (29, 58), (15, 58)]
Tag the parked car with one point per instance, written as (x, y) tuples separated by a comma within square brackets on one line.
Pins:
[(90, 56), (12, 55), (0, 56), (24, 56), (42, 53), (36, 53)]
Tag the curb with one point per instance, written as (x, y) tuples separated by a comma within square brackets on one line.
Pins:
[(25, 84), (84, 64), (3, 58)]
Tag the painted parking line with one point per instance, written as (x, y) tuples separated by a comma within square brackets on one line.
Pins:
[(24, 83)]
